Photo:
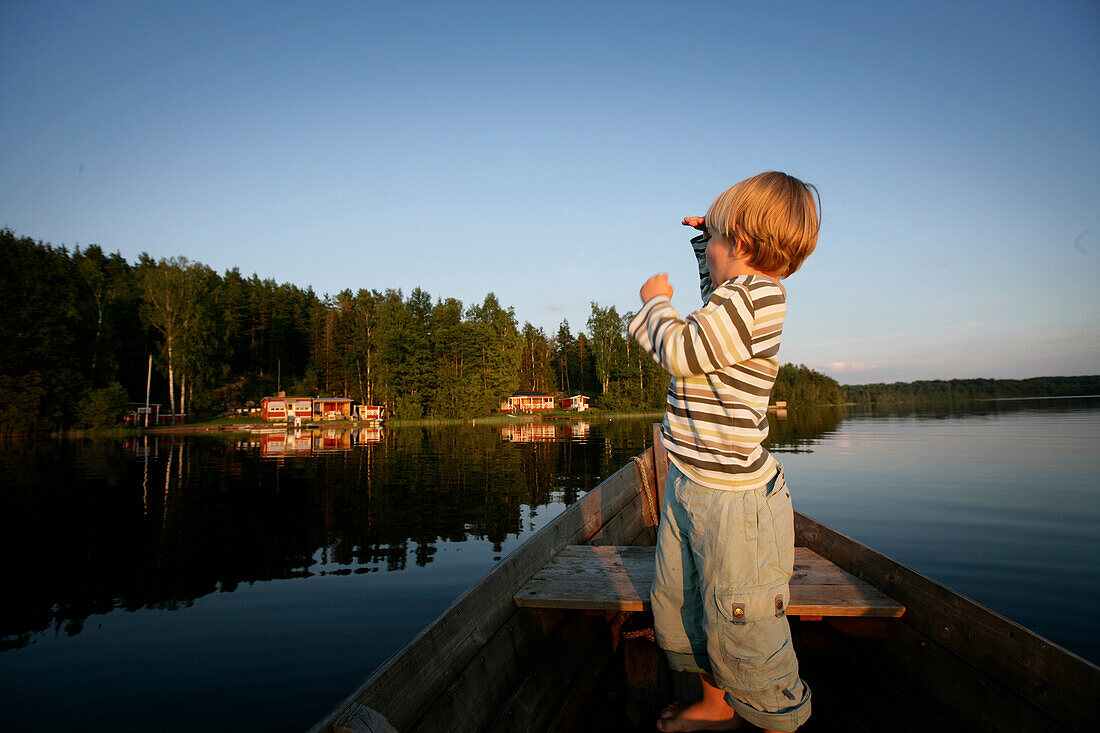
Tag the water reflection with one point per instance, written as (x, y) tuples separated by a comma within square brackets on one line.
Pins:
[(298, 443), (89, 526), (380, 536), (545, 432), (796, 431), (971, 408)]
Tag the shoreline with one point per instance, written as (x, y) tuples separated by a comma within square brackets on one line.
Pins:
[(251, 426), (246, 427), (242, 426)]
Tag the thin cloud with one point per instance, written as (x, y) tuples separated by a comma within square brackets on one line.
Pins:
[(846, 367)]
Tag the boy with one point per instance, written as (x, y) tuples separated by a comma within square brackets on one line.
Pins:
[(725, 546)]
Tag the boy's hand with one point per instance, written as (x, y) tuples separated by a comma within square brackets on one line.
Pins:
[(654, 286), (698, 222)]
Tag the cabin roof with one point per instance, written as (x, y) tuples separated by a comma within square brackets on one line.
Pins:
[(311, 399)]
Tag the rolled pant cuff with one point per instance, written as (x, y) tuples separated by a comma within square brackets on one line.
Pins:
[(680, 662), (784, 720)]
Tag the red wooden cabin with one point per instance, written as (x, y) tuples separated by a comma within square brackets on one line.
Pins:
[(286, 408), (528, 402), (332, 408), (577, 402)]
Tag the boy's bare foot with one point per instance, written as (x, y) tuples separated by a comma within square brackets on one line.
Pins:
[(682, 717)]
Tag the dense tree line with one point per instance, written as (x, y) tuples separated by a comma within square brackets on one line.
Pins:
[(79, 329), (970, 389), (800, 385)]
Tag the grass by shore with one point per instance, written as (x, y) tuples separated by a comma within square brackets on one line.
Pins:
[(552, 416), (235, 423)]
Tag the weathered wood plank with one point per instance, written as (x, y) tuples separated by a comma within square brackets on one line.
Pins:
[(627, 523), (851, 690), (476, 694), (548, 680), (361, 719), (592, 578), (660, 462), (944, 682), (620, 578), (810, 565), (1055, 680), (841, 600), (491, 676), (408, 684), (579, 690), (648, 536)]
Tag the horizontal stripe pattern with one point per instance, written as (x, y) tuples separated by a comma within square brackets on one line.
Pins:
[(723, 360)]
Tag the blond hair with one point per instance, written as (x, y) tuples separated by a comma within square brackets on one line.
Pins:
[(773, 216)]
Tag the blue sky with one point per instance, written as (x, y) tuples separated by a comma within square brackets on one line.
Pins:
[(547, 153)]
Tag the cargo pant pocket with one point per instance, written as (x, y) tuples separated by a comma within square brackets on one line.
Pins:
[(757, 660), (779, 514)]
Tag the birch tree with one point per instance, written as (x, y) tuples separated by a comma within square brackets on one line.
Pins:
[(180, 303), (604, 328), (166, 308)]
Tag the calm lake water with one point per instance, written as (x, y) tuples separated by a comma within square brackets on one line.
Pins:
[(234, 583)]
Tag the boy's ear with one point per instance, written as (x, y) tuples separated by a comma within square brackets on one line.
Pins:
[(738, 248)]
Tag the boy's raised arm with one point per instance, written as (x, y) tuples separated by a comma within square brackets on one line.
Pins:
[(708, 340), (699, 245)]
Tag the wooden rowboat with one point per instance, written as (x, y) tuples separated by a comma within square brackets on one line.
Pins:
[(881, 646)]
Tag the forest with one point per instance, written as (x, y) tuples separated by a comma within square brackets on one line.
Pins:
[(81, 328), (940, 390)]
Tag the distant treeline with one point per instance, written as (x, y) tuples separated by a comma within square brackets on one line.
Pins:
[(940, 390)]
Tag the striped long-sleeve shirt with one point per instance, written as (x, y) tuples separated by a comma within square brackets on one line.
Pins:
[(723, 360)]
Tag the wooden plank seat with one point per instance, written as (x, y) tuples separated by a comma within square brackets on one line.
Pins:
[(608, 578)]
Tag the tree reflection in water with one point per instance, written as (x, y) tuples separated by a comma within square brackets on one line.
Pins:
[(90, 526), (795, 431)]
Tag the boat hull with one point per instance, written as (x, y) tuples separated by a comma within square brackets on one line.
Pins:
[(487, 665)]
